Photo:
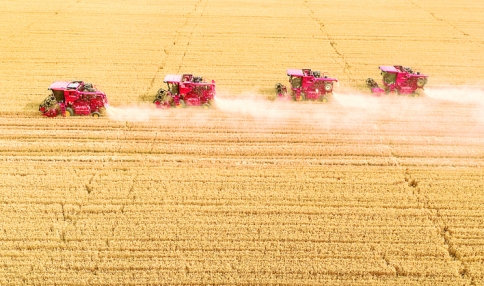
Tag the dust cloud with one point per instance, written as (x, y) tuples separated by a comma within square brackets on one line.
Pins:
[(133, 113), (149, 113), (460, 95), (253, 105), (350, 110), (469, 96)]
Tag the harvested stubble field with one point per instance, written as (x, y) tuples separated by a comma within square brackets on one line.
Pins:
[(361, 190)]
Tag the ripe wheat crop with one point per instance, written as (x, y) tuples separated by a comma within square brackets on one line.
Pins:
[(360, 190)]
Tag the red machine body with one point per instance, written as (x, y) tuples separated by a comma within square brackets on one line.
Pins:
[(74, 98), (185, 90), (402, 80), (307, 84)]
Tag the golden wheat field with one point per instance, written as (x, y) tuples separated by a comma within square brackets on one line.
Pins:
[(361, 190)]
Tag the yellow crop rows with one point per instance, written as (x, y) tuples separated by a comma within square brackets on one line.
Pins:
[(361, 190)]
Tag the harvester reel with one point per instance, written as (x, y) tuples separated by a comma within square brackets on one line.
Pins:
[(48, 102), (371, 83), (280, 89), (163, 96)]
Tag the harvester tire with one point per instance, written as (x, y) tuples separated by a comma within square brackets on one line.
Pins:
[(96, 114), (328, 86), (302, 97), (206, 106), (415, 94), (324, 99), (421, 82), (69, 112)]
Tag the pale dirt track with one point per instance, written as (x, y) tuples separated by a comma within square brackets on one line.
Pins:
[(361, 190)]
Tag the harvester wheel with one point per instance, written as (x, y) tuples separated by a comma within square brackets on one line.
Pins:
[(205, 106), (421, 82), (415, 94), (69, 112), (96, 114), (302, 97), (181, 104), (324, 99), (328, 87)]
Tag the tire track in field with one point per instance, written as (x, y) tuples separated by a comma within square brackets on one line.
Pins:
[(437, 220), (193, 29), (346, 66), (176, 40), (435, 17)]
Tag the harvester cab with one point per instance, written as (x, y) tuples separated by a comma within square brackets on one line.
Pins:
[(402, 80), (185, 90), (307, 84)]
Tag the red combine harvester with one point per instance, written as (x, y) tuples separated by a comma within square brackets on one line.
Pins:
[(400, 79), (185, 90), (74, 98), (307, 84)]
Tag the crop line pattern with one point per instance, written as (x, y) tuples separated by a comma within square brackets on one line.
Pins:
[(439, 223)]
